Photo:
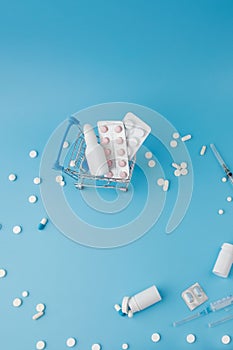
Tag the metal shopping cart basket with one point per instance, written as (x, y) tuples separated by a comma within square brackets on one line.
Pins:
[(76, 166)]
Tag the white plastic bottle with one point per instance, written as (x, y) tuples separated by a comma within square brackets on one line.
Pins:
[(94, 153), (144, 299), (224, 261)]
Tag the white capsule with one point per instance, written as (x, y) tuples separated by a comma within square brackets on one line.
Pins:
[(40, 307), (70, 342), (190, 338), (183, 165), (32, 199), (166, 186), (148, 155), (221, 211), (33, 154), (186, 138), (176, 166), (177, 172), (125, 346), (203, 150), (66, 144), (38, 315), (226, 339), (17, 302), (155, 337), (96, 347), (151, 163), (173, 143), (2, 273), (130, 314), (184, 172), (12, 177), (229, 198), (175, 135), (224, 179), (25, 294), (160, 182), (37, 180), (40, 345), (17, 229)]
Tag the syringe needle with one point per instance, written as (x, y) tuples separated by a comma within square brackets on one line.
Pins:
[(221, 162)]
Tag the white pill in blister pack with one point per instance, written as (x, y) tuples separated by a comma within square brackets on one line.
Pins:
[(194, 296), (136, 133), (113, 140)]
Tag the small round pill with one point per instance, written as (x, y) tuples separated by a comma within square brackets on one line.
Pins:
[(123, 174), (183, 165), (17, 302), (224, 179), (148, 155), (107, 151), (25, 294), (175, 135), (121, 152), (155, 337), (151, 163), (160, 182), (72, 163), (229, 198), (70, 342), (119, 140), (118, 128), (221, 211), (173, 143), (40, 345), (17, 229), (32, 199), (105, 141), (109, 174), (177, 172), (122, 163), (40, 307), (12, 177), (103, 128), (96, 347), (190, 338), (37, 180), (59, 178), (226, 339), (117, 307), (62, 183), (109, 162), (184, 172), (125, 346), (2, 273), (66, 144), (33, 154)]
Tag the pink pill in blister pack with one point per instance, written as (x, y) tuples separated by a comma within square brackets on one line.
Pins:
[(113, 140)]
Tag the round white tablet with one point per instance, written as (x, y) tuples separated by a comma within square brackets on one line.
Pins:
[(72, 163), (33, 154), (226, 339), (25, 294), (37, 180), (190, 338), (71, 342), (229, 198), (12, 177), (224, 179), (177, 172), (17, 302), (96, 347), (40, 307), (2, 273), (184, 172), (151, 163), (59, 178), (62, 183), (221, 211), (173, 143), (17, 229), (66, 144), (155, 337), (148, 155), (183, 165), (175, 135), (40, 345), (32, 199), (160, 182), (125, 346)]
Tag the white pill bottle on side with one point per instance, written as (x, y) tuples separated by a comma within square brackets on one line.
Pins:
[(94, 153), (144, 299), (224, 261)]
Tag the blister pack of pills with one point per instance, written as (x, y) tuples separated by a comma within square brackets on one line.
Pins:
[(113, 140), (194, 296), (136, 133)]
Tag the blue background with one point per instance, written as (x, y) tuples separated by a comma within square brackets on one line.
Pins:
[(58, 57)]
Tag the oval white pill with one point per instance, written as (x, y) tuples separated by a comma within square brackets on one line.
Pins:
[(138, 132), (226, 339), (33, 154), (151, 163), (221, 211), (148, 155), (166, 186), (66, 144), (130, 314), (173, 143), (37, 180), (32, 199), (155, 337), (40, 307), (72, 163), (25, 294), (160, 182), (17, 229), (96, 347), (184, 172), (59, 178), (183, 165), (117, 307), (190, 338), (12, 177), (62, 183), (17, 302), (2, 273), (70, 342), (175, 135), (177, 172), (40, 345), (125, 346), (224, 179), (229, 198)]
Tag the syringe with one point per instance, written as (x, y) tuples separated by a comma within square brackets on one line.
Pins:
[(222, 163), (214, 306)]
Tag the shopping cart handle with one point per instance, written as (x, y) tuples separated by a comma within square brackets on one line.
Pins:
[(71, 121)]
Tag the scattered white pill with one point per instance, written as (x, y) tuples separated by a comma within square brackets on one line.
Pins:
[(175, 135), (72, 163), (173, 143), (25, 294), (40, 345), (226, 339), (177, 172), (12, 177), (32, 199), (117, 307), (71, 342), (203, 150), (96, 347), (2, 273), (33, 154), (184, 172), (221, 211), (183, 165), (37, 180), (59, 178), (160, 182), (130, 314), (62, 183), (229, 198), (166, 186), (40, 307), (17, 229), (176, 166), (190, 338), (155, 337), (125, 346), (148, 155), (66, 144), (186, 138), (38, 315), (151, 163), (17, 302), (224, 179)]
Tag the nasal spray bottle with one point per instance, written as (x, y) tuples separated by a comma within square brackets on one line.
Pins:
[(94, 153)]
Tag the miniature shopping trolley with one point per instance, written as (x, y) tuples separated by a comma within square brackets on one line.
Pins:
[(75, 163)]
